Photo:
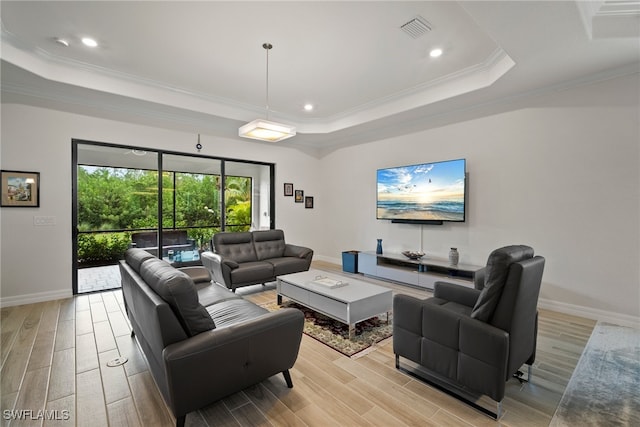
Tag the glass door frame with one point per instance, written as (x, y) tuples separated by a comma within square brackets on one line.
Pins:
[(75, 143)]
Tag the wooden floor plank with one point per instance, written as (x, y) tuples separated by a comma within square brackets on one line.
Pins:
[(114, 378), (32, 396), (62, 382), (122, 413), (148, 401), (91, 410), (86, 353)]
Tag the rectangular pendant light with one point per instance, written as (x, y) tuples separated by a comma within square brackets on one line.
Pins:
[(265, 130)]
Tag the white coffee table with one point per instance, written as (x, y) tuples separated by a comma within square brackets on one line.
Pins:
[(350, 304)]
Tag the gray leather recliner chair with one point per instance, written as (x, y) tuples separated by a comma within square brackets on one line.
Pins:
[(474, 340)]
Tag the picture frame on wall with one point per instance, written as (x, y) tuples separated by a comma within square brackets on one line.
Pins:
[(299, 196), (20, 189), (308, 202), (288, 189)]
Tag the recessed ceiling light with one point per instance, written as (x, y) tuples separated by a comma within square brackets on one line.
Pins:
[(308, 107), (88, 41), (63, 42), (435, 53)]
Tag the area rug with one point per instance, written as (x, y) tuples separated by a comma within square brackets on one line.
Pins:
[(603, 389), (336, 334)]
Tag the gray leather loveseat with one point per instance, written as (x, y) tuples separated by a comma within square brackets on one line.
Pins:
[(253, 257), (202, 342)]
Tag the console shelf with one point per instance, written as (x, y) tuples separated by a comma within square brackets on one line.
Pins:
[(421, 273)]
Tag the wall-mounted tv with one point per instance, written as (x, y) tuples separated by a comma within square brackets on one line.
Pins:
[(429, 193)]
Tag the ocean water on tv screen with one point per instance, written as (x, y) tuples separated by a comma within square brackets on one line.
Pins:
[(441, 210)]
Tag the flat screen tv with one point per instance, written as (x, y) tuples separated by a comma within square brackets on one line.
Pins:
[(428, 193)]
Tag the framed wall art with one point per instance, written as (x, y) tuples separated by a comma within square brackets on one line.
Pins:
[(20, 189), (308, 202), (288, 189), (299, 196)]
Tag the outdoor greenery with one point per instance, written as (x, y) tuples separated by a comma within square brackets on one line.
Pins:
[(123, 200)]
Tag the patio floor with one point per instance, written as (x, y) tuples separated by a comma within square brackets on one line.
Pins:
[(92, 279)]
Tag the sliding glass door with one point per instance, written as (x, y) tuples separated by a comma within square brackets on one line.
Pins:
[(170, 204)]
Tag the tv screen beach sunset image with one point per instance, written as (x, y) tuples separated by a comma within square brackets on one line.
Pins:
[(428, 191)]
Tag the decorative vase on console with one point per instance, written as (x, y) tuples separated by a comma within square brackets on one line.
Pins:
[(454, 256), (379, 248)]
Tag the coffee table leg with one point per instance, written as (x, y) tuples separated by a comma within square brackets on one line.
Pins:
[(279, 299), (352, 330)]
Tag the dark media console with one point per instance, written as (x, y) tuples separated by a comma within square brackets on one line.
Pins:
[(421, 273)]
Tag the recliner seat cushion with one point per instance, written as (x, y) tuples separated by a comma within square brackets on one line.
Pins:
[(179, 291), (496, 273)]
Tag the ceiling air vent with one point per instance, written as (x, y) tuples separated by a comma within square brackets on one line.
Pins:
[(417, 27)]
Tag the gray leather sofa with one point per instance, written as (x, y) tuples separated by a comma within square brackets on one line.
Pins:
[(201, 341), (253, 257), (472, 341)]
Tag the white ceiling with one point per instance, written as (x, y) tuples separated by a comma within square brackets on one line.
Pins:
[(200, 66)]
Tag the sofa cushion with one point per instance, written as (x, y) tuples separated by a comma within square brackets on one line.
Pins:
[(213, 293), (179, 291), (135, 258), (287, 265), (495, 278), (253, 272), (269, 244), (234, 311), (237, 246)]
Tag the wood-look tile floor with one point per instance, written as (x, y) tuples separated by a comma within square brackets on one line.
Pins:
[(54, 365)]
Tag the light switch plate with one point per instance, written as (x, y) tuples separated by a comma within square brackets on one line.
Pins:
[(44, 221)]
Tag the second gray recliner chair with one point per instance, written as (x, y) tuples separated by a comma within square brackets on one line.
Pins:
[(474, 339)]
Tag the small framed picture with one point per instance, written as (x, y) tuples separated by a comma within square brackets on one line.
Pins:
[(308, 202), (299, 196), (20, 189), (288, 189)]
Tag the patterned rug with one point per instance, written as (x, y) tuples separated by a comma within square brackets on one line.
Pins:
[(336, 334)]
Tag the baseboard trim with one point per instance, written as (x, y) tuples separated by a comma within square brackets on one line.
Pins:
[(34, 298), (590, 313)]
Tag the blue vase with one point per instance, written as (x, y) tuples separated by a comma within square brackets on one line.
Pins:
[(379, 248)]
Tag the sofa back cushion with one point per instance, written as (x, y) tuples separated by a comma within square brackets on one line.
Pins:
[(135, 258), (179, 291), (269, 244), (236, 246), (496, 274)]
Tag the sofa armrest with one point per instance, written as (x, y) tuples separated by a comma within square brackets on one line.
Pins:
[(456, 293), (407, 326), (216, 363), (219, 267), (297, 251)]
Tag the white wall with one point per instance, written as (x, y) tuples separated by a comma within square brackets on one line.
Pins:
[(559, 172), (36, 261)]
